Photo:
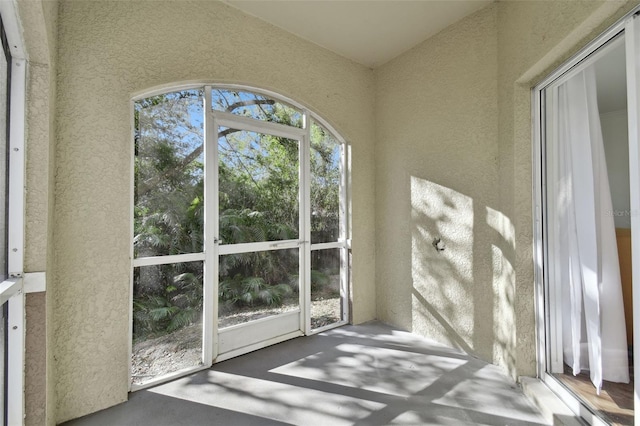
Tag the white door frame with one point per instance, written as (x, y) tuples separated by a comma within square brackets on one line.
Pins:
[(243, 338), (632, 37)]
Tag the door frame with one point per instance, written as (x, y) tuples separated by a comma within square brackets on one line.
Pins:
[(246, 337), (545, 308)]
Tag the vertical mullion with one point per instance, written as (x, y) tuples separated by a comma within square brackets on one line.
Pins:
[(632, 51), (305, 226), (344, 231), (555, 352), (16, 168), (540, 259), (132, 199), (210, 281), (15, 261)]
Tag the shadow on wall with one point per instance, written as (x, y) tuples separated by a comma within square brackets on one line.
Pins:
[(463, 295)]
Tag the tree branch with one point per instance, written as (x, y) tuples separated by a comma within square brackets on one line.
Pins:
[(149, 184), (248, 102)]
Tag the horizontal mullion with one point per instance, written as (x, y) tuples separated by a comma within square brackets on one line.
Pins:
[(9, 288), (325, 246), (251, 124), (165, 260), (259, 246)]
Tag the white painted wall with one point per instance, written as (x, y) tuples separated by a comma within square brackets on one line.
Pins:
[(616, 149)]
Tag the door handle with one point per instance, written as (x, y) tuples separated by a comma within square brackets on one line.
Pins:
[(299, 243)]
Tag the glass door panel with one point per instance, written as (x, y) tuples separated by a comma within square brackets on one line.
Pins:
[(328, 223), (326, 302), (326, 172), (257, 285), (168, 241), (258, 187), (169, 173), (587, 211), (167, 320), (259, 254)]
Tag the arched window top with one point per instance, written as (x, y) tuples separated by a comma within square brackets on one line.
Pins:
[(244, 101), (256, 105)]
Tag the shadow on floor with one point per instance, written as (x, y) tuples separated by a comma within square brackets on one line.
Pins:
[(369, 374)]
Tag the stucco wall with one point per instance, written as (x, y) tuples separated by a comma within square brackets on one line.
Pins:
[(36, 360), (453, 161), (37, 136), (39, 30), (109, 50), (436, 177)]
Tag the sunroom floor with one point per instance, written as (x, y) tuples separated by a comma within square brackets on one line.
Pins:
[(369, 374)]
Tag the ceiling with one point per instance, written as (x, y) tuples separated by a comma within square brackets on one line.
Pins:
[(370, 32)]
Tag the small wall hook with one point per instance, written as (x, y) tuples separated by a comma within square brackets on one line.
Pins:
[(438, 244)]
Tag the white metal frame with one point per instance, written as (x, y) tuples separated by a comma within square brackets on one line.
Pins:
[(305, 227), (16, 340), (211, 229), (213, 247), (246, 337), (632, 37), (208, 337), (343, 243), (11, 290), (546, 310)]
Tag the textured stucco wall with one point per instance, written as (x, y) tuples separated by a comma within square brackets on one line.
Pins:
[(109, 50), (38, 23), (37, 135), (36, 362), (50, 9), (453, 160), (436, 177)]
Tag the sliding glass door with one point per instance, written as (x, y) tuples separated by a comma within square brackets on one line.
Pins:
[(587, 166)]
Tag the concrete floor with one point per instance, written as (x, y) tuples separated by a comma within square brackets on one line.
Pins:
[(369, 374)]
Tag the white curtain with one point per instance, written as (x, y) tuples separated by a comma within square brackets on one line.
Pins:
[(594, 333)]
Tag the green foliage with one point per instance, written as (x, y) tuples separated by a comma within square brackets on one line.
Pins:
[(258, 201), (163, 310), (250, 291), (318, 279)]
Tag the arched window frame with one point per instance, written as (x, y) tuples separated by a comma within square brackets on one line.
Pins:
[(209, 256)]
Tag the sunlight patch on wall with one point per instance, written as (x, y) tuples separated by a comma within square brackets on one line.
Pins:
[(442, 298), (502, 225), (504, 316)]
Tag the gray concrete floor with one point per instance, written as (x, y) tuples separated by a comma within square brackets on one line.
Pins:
[(369, 374)]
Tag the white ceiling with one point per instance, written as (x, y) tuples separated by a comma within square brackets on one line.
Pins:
[(370, 32)]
